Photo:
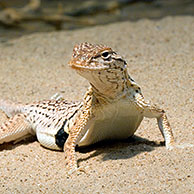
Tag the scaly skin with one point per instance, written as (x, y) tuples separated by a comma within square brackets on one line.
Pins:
[(113, 108)]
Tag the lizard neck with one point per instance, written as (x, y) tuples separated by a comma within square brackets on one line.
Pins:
[(109, 88)]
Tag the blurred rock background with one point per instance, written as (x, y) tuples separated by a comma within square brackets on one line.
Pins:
[(19, 17)]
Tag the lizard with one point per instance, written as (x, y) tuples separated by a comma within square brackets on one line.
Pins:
[(112, 108)]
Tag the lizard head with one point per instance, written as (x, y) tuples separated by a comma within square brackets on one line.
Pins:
[(90, 57), (99, 64)]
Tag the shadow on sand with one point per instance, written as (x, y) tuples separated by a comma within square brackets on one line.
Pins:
[(110, 149), (114, 150)]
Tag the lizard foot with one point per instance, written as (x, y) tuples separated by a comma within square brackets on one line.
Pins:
[(57, 96), (77, 170), (182, 146)]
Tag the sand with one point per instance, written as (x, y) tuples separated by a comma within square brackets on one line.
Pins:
[(160, 56)]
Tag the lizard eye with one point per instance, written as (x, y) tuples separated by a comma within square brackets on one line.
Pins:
[(105, 55)]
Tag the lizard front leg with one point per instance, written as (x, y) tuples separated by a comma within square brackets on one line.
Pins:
[(152, 111), (76, 133)]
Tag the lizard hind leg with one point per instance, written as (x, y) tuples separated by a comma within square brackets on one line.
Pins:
[(16, 128)]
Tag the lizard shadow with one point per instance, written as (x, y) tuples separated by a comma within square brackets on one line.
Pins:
[(109, 149), (114, 149), (11, 145)]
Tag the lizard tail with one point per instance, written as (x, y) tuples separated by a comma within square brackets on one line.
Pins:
[(10, 108), (16, 128)]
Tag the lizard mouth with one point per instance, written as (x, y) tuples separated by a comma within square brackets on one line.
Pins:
[(86, 68), (75, 67)]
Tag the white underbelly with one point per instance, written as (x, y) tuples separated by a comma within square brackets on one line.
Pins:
[(119, 122)]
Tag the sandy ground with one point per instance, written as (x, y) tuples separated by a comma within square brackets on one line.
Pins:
[(160, 56)]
